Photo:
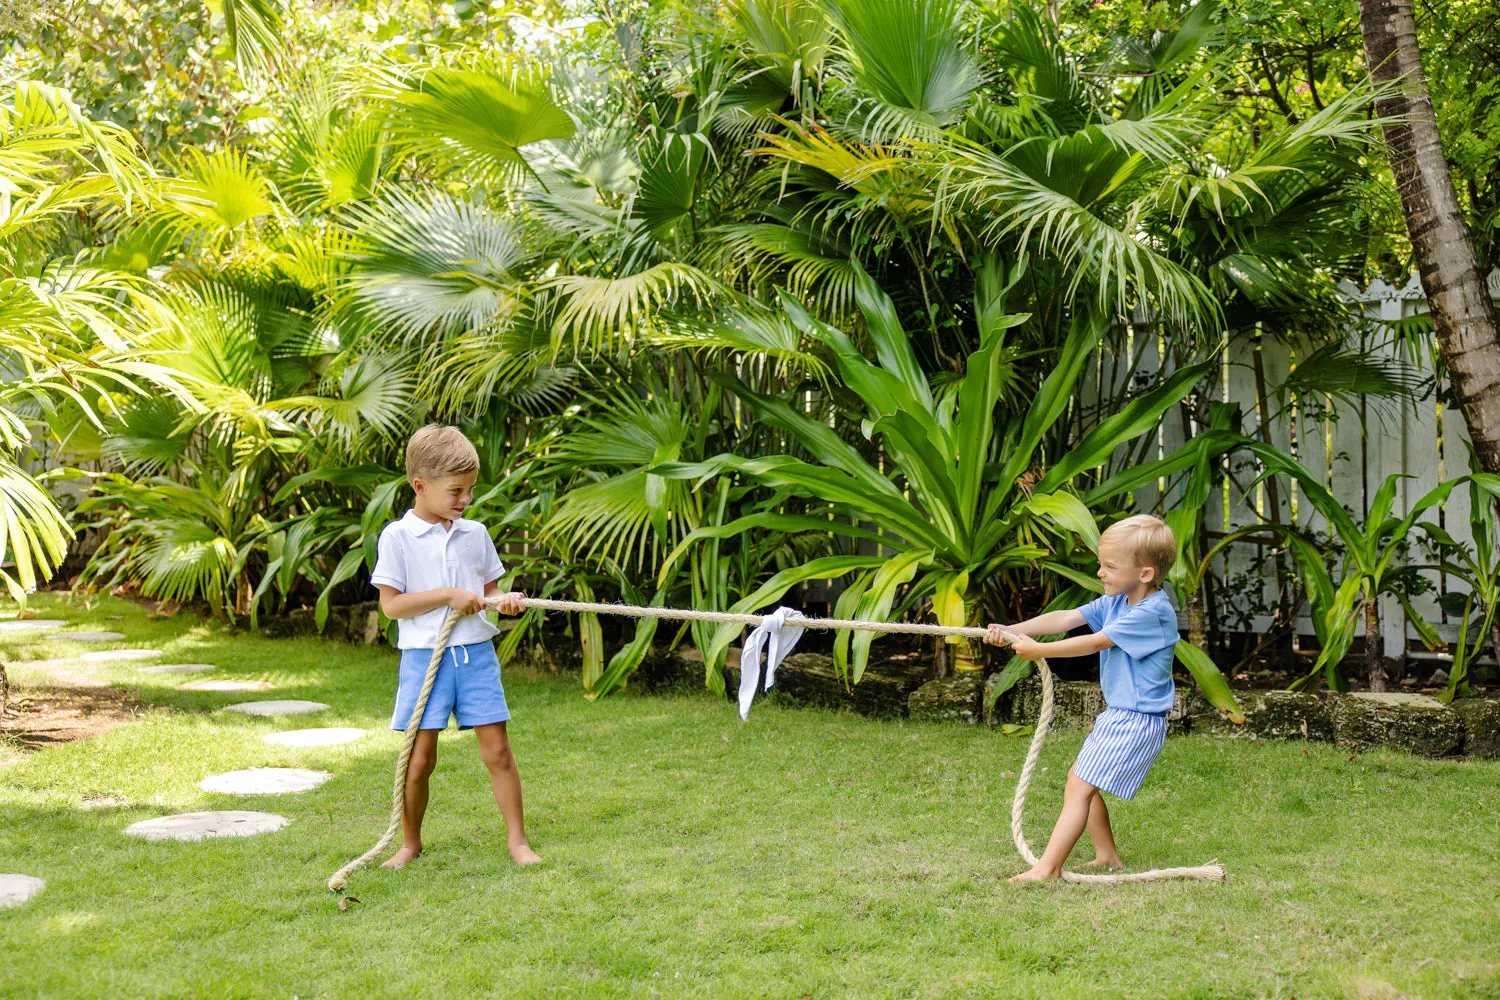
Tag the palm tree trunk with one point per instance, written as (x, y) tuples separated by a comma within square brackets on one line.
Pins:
[(1461, 308), (1374, 658)]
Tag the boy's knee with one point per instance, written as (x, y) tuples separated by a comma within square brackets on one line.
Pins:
[(497, 756), (422, 763)]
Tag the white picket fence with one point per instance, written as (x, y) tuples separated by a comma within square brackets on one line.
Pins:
[(1352, 446)]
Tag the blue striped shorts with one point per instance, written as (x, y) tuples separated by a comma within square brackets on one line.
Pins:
[(1120, 750)]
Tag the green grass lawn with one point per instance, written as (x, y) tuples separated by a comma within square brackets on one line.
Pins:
[(804, 853)]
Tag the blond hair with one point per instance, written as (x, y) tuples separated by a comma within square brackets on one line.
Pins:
[(1148, 541), (438, 450)]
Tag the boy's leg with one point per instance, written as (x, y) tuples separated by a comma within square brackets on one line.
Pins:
[(1070, 825), (1106, 855), (418, 771), (494, 750)]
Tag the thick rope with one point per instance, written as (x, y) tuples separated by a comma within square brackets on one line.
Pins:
[(398, 797), (1210, 872)]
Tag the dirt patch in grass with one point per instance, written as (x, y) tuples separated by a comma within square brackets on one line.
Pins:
[(41, 716)]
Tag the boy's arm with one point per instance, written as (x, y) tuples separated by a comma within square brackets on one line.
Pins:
[(1050, 623), (395, 604), (1079, 645)]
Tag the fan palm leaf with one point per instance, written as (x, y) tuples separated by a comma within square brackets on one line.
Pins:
[(479, 118), (909, 58), (1006, 200), (622, 518), (813, 266), (434, 265), (217, 194), (789, 39), (596, 314)]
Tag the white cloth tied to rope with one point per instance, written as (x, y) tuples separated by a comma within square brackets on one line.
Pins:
[(777, 635)]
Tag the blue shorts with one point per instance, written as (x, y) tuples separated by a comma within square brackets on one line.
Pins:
[(1120, 750), (467, 685)]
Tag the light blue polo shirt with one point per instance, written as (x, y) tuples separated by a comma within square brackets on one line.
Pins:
[(1136, 672)]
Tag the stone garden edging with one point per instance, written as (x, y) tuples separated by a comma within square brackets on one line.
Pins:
[(1414, 723)]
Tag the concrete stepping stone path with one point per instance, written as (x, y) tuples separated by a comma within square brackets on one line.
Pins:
[(178, 668), (202, 825), (106, 655), (291, 707), (225, 684), (87, 636), (315, 737), (31, 624), (264, 781), (17, 889)]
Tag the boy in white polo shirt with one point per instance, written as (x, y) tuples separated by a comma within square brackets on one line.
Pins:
[(429, 561)]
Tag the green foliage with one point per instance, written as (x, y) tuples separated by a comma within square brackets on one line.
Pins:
[(716, 292)]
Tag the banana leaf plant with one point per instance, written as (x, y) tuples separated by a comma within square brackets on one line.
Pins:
[(1342, 596), (970, 491)]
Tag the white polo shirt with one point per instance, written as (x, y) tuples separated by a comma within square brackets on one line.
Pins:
[(415, 555)]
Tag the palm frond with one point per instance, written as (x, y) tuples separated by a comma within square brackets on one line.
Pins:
[(367, 401), (434, 266), (789, 39), (1349, 374), (669, 184), (217, 193), (598, 313), (623, 517), (746, 331), (910, 56), (1007, 201), (812, 266), (479, 118), (253, 29), (34, 535)]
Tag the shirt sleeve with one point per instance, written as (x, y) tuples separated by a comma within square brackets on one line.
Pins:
[(494, 569), (1141, 631), (1094, 612), (390, 561)]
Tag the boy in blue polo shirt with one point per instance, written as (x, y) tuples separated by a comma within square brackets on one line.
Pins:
[(1135, 634), (431, 560)]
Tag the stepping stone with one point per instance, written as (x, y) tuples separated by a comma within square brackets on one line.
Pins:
[(315, 737), (88, 636), (178, 668), (220, 684), (264, 781), (17, 889), (200, 825), (105, 655), (31, 624), (292, 707)]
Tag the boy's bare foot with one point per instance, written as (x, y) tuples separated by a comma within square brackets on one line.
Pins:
[(1034, 875), (1113, 864), (403, 857), (523, 855)]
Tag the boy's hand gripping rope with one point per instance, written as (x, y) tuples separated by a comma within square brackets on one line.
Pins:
[(1210, 872)]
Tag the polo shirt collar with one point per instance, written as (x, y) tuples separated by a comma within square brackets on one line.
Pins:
[(418, 526)]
